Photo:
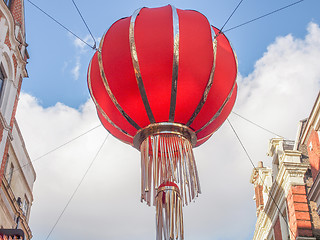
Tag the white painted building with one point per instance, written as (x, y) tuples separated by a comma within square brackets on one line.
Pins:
[(17, 174)]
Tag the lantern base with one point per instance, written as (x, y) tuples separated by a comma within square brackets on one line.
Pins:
[(164, 128)]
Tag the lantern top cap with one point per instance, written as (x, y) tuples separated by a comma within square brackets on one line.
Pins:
[(164, 128)]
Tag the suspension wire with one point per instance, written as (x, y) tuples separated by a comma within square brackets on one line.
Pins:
[(257, 125), (95, 43), (265, 15), (61, 25), (229, 18), (269, 194), (75, 191), (62, 145), (95, 48)]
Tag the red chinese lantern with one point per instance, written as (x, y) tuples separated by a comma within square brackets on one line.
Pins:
[(163, 81)]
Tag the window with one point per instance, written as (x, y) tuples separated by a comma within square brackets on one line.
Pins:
[(7, 2), (2, 77), (25, 206), (17, 220)]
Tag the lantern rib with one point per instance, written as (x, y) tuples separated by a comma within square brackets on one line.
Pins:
[(175, 64), (210, 80), (101, 110), (112, 97), (220, 109), (136, 67), (208, 136)]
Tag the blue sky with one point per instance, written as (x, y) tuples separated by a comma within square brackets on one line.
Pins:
[(53, 54), (279, 79)]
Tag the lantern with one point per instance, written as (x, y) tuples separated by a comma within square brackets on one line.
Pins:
[(163, 81)]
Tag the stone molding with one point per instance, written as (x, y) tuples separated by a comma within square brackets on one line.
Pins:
[(15, 207), (290, 174), (306, 238), (314, 192)]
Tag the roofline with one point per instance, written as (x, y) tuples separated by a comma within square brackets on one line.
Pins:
[(313, 120)]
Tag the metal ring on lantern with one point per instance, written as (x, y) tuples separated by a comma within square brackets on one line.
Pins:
[(170, 187), (164, 128)]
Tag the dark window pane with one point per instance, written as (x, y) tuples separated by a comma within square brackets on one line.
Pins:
[(7, 2), (1, 80)]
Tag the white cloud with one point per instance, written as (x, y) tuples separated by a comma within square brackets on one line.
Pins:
[(81, 44), (277, 94), (81, 50), (76, 69)]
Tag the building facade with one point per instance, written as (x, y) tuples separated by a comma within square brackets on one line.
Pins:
[(287, 194), (17, 175), (309, 138)]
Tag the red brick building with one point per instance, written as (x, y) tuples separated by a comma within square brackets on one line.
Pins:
[(16, 172), (310, 138), (288, 194)]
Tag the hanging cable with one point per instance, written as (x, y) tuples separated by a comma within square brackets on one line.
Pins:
[(267, 14), (93, 47), (269, 194), (240, 25), (95, 43), (74, 192), (229, 18), (257, 125), (73, 139)]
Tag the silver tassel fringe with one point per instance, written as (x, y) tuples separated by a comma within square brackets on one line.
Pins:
[(165, 158)]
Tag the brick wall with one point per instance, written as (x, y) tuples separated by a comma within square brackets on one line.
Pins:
[(16, 10), (298, 212), (314, 153), (259, 198), (7, 41), (15, 63)]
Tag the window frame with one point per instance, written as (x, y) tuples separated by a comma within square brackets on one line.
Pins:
[(25, 206)]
